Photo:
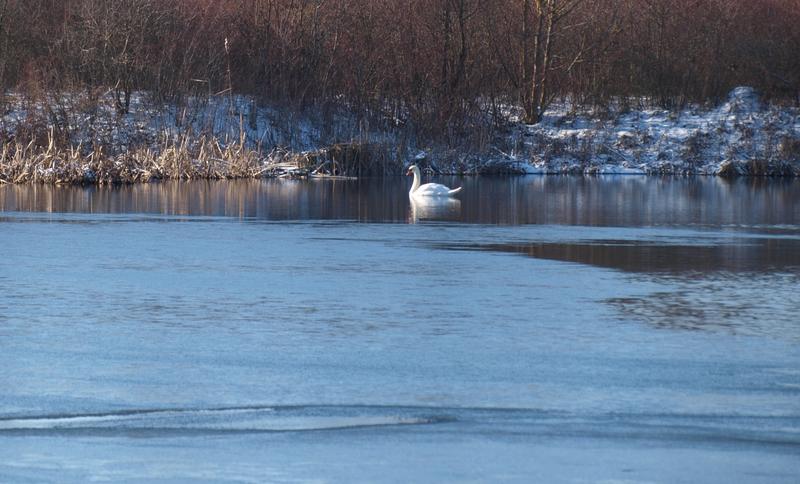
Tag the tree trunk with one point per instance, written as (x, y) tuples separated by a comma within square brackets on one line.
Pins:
[(547, 59), (526, 56), (536, 72), (533, 71)]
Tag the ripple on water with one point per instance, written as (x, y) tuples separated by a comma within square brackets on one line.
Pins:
[(220, 420), (712, 428)]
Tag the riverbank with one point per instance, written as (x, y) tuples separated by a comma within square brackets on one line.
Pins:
[(79, 140), (742, 136)]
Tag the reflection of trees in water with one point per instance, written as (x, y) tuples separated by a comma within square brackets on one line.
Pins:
[(267, 199), (571, 200), (641, 200)]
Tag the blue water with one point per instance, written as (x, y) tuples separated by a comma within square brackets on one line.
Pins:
[(544, 329)]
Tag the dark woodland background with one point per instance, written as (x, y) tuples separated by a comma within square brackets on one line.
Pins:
[(435, 65)]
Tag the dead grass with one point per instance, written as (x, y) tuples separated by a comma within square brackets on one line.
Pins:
[(182, 158)]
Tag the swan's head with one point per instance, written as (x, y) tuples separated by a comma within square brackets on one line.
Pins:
[(411, 170)]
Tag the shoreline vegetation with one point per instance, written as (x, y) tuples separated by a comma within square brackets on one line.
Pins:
[(108, 91), (204, 158), (741, 137)]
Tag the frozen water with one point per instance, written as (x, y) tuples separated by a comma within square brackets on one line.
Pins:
[(615, 329)]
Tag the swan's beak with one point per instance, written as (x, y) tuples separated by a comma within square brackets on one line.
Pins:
[(409, 172)]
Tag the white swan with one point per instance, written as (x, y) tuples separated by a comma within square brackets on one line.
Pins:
[(428, 189)]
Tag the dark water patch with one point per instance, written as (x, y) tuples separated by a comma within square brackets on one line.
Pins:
[(737, 255)]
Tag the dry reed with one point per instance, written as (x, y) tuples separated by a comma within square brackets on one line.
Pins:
[(182, 158)]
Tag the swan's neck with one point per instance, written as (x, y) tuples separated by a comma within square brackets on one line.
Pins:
[(415, 185)]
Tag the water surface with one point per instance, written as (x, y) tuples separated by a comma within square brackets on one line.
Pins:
[(558, 329)]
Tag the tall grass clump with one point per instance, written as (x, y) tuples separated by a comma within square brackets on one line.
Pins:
[(185, 157), (181, 158)]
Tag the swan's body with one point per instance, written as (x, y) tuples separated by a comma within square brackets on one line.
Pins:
[(428, 189)]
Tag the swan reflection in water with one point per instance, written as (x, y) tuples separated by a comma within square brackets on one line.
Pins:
[(433, 208)]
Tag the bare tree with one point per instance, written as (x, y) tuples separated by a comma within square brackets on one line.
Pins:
[(540, 21), (436, 68)]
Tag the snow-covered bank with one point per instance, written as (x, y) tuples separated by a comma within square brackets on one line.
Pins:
[(742, 136)]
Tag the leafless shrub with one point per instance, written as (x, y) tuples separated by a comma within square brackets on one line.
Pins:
[(694, 146), (585, 149), (789, 149)]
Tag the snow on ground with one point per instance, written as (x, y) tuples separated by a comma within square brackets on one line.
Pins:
[(742, 136), (97, 121)]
